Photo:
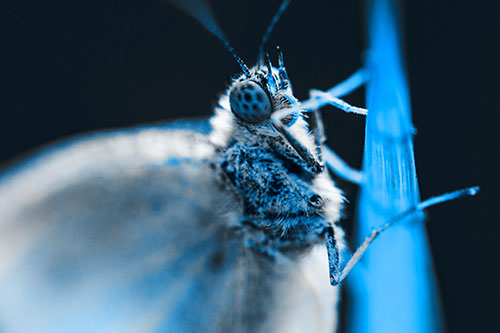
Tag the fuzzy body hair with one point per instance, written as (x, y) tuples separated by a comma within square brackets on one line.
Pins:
[(286, 206)]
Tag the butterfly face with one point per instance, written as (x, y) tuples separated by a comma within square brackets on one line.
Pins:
[(254, 97)]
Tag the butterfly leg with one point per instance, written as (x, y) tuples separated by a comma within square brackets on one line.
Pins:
[(325, 98), (312, 162), (417, 209), (333, 256), (331, 96), (350, 84), (341, 168), (333, 161), (318, 129)]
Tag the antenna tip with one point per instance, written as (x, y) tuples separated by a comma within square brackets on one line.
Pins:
[(472, 190)]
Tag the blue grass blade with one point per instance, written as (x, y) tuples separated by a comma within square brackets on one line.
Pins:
[(395, 290)]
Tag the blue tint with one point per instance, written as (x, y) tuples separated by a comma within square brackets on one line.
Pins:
[(394, 290)]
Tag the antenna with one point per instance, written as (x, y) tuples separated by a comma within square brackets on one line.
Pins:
[(240, 62), (201, 11), (270, 28)]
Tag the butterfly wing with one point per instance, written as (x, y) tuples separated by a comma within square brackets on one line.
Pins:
[(128, 231)]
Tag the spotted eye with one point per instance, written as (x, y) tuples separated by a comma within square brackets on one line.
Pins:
[(250, 102)]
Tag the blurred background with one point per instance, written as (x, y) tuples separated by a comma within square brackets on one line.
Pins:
[(72, 67)]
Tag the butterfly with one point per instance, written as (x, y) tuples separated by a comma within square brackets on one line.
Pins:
[(229, 225)]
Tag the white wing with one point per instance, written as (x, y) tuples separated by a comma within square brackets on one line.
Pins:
[(127, 232)]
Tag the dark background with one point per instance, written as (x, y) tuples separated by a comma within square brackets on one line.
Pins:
[(70, 67)]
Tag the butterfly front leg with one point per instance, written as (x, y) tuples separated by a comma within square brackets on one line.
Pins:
[(296, 152), (328, 156), (333, 255)]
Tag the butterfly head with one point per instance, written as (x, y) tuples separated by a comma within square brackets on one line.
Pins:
[(266, 89)]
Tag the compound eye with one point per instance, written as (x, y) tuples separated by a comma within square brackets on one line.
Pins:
[(250, 102)]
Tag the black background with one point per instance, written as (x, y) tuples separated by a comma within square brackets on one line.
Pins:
[(69, 67)]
